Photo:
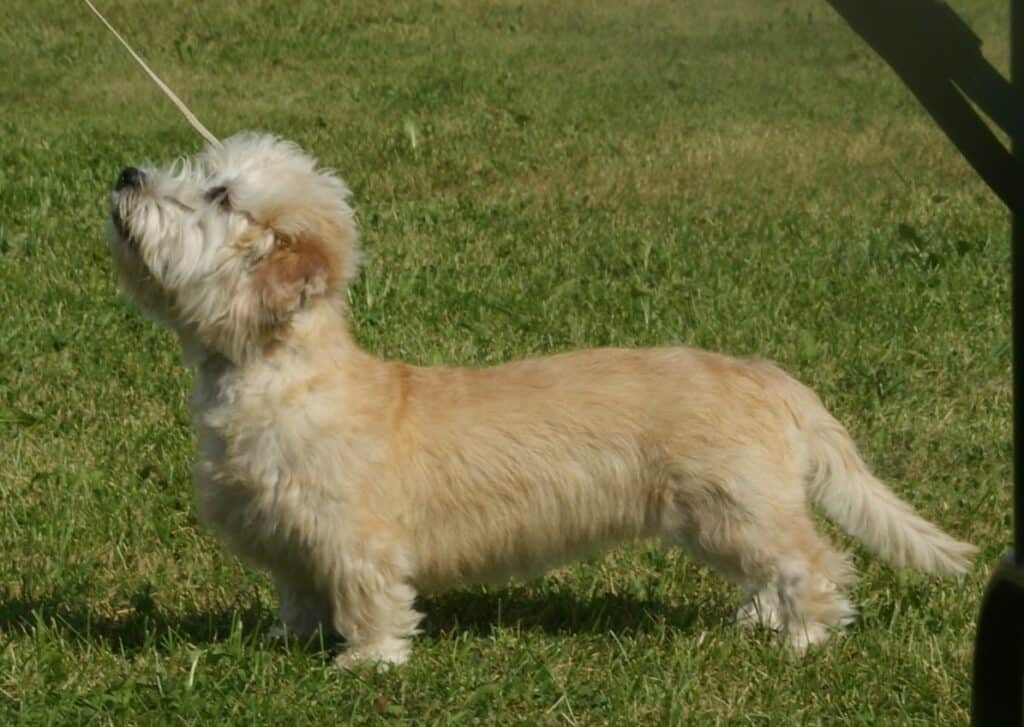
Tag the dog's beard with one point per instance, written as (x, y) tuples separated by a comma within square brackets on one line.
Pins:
[(121, 231), (123, 204), (135, 279), (134, 218)]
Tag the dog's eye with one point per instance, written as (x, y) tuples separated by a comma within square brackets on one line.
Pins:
[(219, 195)]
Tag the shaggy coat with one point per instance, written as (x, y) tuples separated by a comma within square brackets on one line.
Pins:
[(358, 482)]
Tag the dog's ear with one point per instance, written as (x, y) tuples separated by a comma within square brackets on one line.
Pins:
[(295, 270)]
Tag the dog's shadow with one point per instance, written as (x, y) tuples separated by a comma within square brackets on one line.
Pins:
[(142, 626), (138, 627), (555, 612)]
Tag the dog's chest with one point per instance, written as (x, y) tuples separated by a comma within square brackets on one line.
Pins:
[(267, 468)]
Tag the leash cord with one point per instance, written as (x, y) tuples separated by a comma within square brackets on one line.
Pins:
[(189, 116)]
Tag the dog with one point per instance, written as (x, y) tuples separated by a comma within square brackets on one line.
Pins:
[(359, 482)]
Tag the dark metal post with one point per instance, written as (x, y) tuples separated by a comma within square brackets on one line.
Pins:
[(998, 697), (1017, 295), (939, 58), (999, 650)]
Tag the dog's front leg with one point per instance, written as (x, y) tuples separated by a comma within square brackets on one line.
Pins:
[(373, 610), (301, 609)]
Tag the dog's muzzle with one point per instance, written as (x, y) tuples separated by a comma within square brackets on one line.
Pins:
[(128, 182), (131, 178)]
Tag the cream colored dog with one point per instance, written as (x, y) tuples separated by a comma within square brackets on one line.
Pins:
[(358, 482)]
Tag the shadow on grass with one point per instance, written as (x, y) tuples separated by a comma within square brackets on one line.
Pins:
[(556, 612), (144, 627), (139, 627)]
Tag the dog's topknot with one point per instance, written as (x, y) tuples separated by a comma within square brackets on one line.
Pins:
[(281, 187)]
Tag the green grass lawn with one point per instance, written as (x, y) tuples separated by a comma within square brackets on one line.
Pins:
[(530, 177)]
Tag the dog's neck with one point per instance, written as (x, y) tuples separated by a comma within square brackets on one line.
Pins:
[(320, 326)]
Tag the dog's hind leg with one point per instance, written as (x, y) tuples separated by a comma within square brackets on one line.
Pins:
[(802, 598), (769, 547)]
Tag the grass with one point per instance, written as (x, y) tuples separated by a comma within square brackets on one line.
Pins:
[(530, 177)]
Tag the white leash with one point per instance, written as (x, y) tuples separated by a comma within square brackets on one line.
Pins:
[(189, 116)]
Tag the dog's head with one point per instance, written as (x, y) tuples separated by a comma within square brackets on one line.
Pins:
[(227, 247)]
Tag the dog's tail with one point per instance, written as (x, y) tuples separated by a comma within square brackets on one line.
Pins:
[(840, 483)]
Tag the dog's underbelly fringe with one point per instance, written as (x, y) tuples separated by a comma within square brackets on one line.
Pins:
[(502, 528)]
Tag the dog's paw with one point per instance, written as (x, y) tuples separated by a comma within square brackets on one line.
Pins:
[(381, 655), (278, 631), (801, 637), (281, 632), (762, 609)]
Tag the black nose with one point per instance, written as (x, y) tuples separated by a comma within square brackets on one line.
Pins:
[(130, 177)]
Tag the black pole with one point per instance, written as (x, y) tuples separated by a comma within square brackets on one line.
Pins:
[(998, 697), (998, 662), (939, 58), (1017, 295)]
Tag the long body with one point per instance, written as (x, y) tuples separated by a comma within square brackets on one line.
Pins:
[(322, 455), (458, 467)]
